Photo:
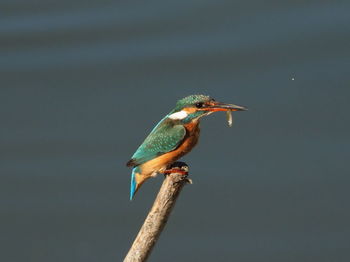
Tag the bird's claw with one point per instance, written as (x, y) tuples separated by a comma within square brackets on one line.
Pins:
[(179, 168), (177, 171), (189, 181)]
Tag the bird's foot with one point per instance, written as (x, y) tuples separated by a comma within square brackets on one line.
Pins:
[(178, 168)]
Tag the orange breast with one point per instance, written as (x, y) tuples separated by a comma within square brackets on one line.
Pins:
[(160, 163)]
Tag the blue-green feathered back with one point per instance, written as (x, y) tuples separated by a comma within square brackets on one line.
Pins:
[(164, 138)]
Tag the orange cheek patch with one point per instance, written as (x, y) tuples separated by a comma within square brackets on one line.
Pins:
[(190, 110)]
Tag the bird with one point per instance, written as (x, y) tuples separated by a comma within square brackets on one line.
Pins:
[(173, 137)]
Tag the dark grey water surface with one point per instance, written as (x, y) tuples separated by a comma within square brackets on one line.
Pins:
[(83, 82)]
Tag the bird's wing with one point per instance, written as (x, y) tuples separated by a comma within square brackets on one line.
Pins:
[(162, 139)]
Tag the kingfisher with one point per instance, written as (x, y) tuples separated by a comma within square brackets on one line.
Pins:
[(174, 136)]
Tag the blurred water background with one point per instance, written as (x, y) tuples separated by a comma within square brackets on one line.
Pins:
[(83, 82)]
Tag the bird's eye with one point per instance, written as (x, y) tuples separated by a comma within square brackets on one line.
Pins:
[(199, 105)]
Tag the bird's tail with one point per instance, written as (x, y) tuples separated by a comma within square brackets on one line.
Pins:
[(137, 179)]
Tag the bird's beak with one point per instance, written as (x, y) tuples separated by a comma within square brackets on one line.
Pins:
[(217, 106)]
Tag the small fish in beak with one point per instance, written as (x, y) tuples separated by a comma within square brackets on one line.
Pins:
[(229, 118), (228, 108)]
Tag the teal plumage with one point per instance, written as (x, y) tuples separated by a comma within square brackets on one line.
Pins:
[(175, 135), (165, 137), (167, 134), (190, 100), (133, 184)]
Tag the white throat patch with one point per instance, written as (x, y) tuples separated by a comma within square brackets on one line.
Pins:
[(178, 115)]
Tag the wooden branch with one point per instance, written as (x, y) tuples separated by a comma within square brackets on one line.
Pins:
[(159, 213)]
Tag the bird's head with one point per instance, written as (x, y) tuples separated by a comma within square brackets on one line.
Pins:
[(194, 107)]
